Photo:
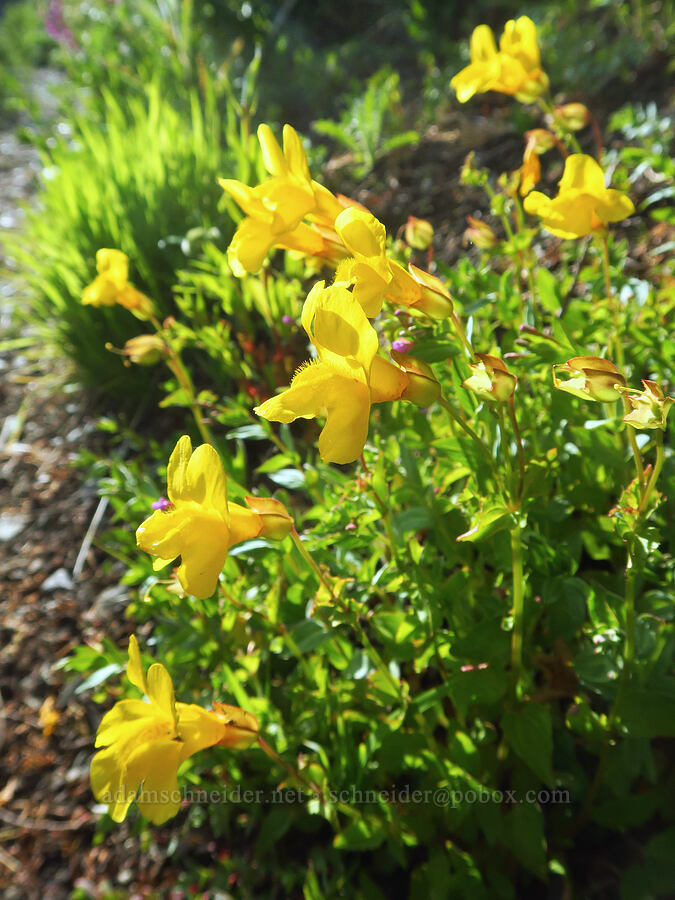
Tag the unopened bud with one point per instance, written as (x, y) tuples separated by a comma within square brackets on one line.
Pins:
[(572, 116), (423, 389), (435, 299), (145, 349), (480, 233), (490, 379), (540, 140), (276, 521), (418, 233)]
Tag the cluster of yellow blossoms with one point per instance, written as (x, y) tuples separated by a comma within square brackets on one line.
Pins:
[(144, 742), (291, 211)]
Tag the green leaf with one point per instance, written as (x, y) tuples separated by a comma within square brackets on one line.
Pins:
[(548, 290), (366, 833), (488, 521), (524, 834), (648, 713), (288, 478), (529, 733)]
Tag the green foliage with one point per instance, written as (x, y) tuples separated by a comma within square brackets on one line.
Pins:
[(370, 126), (144, 181)]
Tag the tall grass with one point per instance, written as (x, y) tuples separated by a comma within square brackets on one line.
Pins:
[(143, 180)]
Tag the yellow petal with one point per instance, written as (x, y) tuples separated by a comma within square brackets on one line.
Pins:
[(203, 556), (361, 233), (154, 765), (126, 720), (614, 206), (101, 292), (197, 476), (241, 727), (249, 247), (160, 691), (105, 775), (114, 265), (337, 326), (162, 533), (482, 44), (303, 399), (519, 40), (537, 204), (346, 429), (295, 154), (387, 382), (582, 173), (197, 728), (135, 672), (273, 158)]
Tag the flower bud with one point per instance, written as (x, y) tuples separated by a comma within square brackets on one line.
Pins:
[(423, 389), (650, 406), (540, 139), (145, 349), (435, 299), (491, 380), (592, 378), (418, 233), (480, 234), (572, 116), (276, 521)]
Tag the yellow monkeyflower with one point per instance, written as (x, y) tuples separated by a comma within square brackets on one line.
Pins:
[(144, 743), (583, 203), (345, 379), (514, 69), (112, 286), (276, 208), (200, 525), (368, 268)]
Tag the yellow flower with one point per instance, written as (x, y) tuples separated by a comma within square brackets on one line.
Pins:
[(591, 378), (344, 380), (515, 69), (201, 525), (583, 204), (112, 286), (368, 269), (276, 208), (145, 743)]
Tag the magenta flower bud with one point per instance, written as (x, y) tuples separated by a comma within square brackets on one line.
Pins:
[(162, 504), (402, 345), (287, 320)]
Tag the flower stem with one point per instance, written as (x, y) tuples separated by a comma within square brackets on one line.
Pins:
[(519, 444), (461, 333), (518, 610), (614, 307)]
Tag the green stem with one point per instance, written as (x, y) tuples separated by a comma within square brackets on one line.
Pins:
[(630, 432), (518, 610), (353, 617), (614, 307), (519, 444), (656, 471), (461, 333)]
